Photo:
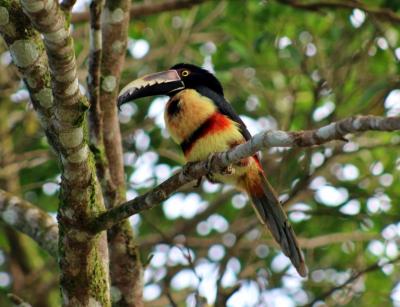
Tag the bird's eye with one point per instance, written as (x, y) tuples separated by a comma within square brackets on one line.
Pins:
[(185, 73)]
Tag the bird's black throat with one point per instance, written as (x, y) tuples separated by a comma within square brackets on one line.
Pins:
[(173, 107)]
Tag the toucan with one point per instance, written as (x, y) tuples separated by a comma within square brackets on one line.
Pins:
[(202, 122)]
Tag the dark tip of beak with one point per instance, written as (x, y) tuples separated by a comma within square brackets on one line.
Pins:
[(124, 98)]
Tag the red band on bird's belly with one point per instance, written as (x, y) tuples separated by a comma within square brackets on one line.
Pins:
[(215, 123)]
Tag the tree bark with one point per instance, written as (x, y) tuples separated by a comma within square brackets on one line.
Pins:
[(83, 258), (125, 266)]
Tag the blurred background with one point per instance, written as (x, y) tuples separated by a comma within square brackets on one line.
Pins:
[(283, 66)]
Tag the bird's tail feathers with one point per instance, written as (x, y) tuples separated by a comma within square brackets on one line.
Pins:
[(270, 213)]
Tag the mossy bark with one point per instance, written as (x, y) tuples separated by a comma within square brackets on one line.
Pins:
[(62, 110)]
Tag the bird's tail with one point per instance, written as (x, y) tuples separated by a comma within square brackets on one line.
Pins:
[(270, 213)]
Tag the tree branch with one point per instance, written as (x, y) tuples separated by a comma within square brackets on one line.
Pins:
[(115, 23), (30, 220), (384, 14), (93, 79), (125, 267), (219, 161), (146, 9), (245, 245), (17, 301), (14, 168), (95, 112)]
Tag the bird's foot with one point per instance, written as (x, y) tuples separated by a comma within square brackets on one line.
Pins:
[(210, 175), (209, 162), (186, 168), (229, 170)]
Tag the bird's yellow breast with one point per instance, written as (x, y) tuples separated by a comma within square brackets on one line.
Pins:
[(194, 109), (189, 110)]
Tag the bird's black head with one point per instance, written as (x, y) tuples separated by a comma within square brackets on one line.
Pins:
[(178, 77), (194, 76)]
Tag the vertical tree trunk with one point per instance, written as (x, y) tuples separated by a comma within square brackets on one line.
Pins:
[(125, 266)]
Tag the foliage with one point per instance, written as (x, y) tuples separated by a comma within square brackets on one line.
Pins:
[(281, 67)]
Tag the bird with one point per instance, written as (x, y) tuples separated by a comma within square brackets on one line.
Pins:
[(203, 122)]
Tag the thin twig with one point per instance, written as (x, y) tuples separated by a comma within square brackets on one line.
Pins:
[(171, 299), (374, 267), (305, 243), (17, 301), (146, 9)]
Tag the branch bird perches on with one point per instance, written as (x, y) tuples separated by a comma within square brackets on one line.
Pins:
[(219, 161), (191, 172)]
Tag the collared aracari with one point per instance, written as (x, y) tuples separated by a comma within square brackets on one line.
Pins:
[(202, 122)]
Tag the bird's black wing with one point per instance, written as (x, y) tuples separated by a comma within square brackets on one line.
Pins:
[(225, 108)]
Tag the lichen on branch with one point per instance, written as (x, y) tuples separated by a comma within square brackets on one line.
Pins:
[(28, 54)]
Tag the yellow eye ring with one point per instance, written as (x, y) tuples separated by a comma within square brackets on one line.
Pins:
[(185, 73)]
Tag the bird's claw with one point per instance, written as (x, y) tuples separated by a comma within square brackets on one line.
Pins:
[(186, 168), (209, 163), (229, 170)]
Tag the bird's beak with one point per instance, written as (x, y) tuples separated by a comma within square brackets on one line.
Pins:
[(160, 83)]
